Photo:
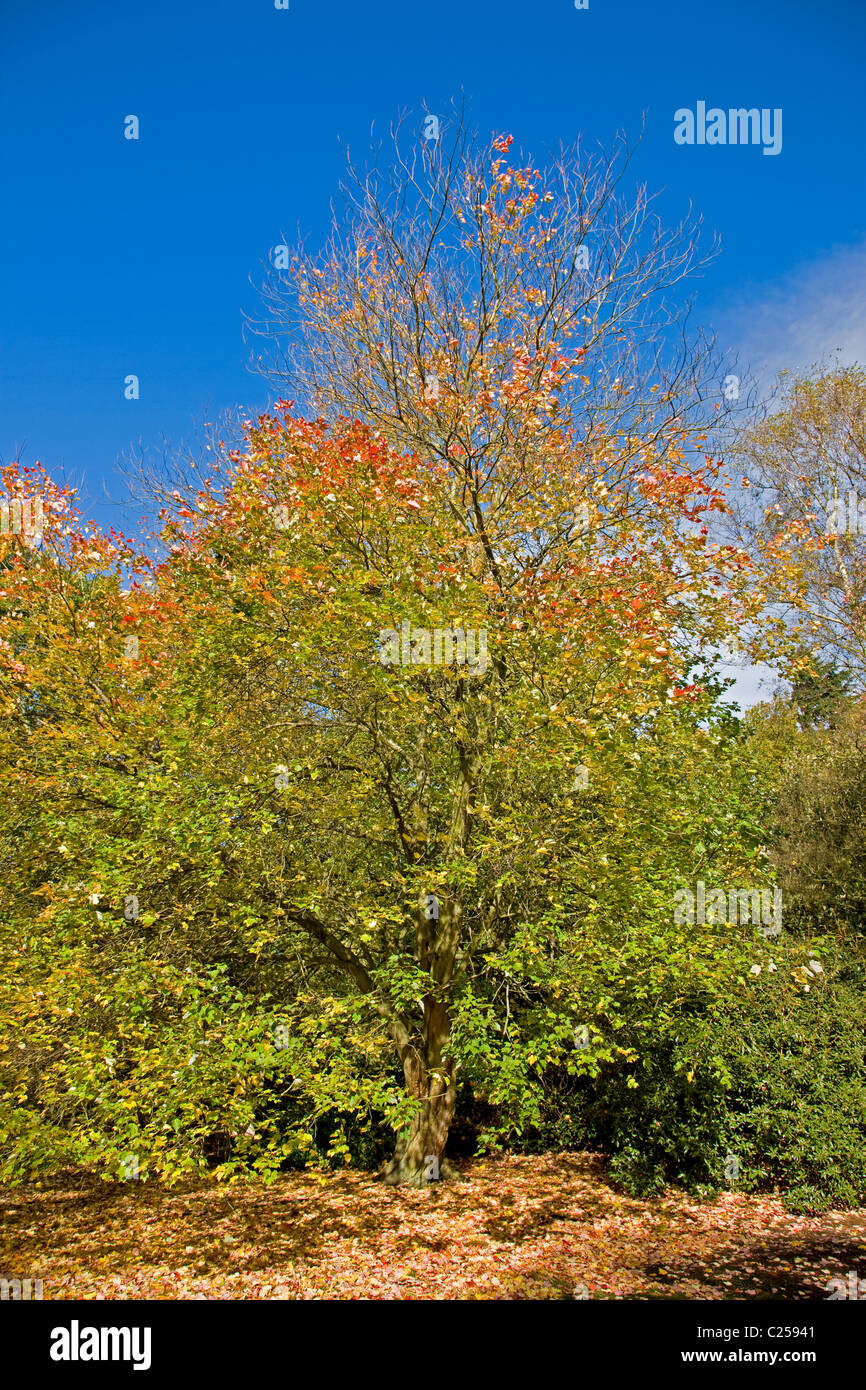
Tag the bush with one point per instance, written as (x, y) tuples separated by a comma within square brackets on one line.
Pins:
[(797, 1103), (769, 1092)]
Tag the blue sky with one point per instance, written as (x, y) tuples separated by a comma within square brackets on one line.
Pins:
[(121, 257)]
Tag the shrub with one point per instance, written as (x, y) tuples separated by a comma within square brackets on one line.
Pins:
[(766, 1092)]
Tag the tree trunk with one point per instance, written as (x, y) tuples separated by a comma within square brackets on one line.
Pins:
[(429, 1070), (430, 1079)]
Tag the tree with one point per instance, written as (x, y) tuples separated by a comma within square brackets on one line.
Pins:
[(818, 775), (410, 763), (459, 781), (471, 306), (818, 693), (804, 508)]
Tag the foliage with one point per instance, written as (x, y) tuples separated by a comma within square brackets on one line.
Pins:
[(803, 507), (767, 1092), (816, 778), (148, 1034), (231, 798), (818, 692)]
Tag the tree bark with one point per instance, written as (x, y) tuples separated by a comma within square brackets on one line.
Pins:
[(430, 1080), (429, 1070)]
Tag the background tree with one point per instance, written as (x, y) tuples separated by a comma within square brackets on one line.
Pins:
[(804, 509), (815, 768), (818, 691)]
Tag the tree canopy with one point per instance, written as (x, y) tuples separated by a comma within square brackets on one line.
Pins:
[(381, 782)]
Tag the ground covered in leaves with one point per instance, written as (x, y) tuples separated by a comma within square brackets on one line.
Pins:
[(545, 1227)]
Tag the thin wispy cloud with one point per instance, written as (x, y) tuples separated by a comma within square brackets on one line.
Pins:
[(752, 684), (815, 313)]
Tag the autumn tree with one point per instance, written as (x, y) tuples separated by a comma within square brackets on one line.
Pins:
[(469, 306), (231, 814), (436, 830), (524, 469), (352, 838), (802, 514)]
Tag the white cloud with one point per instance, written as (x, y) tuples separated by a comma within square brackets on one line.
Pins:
[(752, 684), (813, 313)]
